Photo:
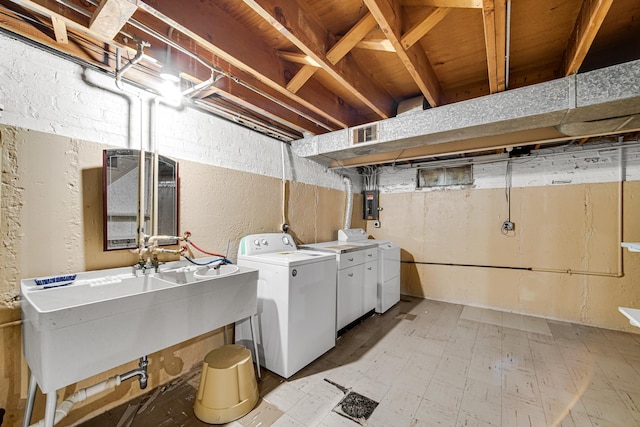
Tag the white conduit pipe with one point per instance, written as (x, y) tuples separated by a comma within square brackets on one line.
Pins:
[(65, 407), (284, 226), (349, 207)]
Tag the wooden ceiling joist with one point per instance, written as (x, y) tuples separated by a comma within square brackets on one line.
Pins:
[(336, 53), (590, 18), (463, 4), (298, 58), (351, 39), (388, 14), (423, 27), (494, 20), (111, 16), (381, 45), (303, 29), (224, 37)]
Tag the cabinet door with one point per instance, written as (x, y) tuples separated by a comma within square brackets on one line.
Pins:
[(349, 295), (370, 287)]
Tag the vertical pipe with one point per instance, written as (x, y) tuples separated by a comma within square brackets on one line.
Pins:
[(141, 184), (621, 178), (508, 46), (153, 116)]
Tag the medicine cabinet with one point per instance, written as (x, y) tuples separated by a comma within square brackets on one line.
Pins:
[(120, 171)]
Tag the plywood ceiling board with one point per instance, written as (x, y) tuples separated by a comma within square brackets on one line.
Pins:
[(467, 62), (255, 23), (386, 68), (611, 45), (338, 16), (540, 31)]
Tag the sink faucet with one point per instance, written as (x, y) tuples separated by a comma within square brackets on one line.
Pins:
[(148, 251)]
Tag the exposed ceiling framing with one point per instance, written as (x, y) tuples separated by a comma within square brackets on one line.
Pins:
[(308, 67)]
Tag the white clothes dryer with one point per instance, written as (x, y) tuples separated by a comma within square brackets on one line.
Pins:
[(296, 302)]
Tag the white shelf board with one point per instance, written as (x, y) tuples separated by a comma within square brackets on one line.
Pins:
[(633, 314), (632, 246)]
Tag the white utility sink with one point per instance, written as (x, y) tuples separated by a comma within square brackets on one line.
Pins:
[(110, 317), (208, 272)]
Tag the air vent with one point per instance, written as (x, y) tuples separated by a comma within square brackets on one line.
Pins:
[(365, 133)]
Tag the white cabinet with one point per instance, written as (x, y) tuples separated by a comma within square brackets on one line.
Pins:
[(357, 285), (349, 301), (370, 288)]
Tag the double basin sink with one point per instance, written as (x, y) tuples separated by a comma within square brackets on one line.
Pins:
[(106, 318)]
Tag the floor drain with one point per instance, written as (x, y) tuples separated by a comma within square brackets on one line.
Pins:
[(356, 407)]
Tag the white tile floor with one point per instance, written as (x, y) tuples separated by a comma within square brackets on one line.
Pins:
[(429, 363)]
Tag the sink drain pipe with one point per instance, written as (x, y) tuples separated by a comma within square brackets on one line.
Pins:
[(81, 395)]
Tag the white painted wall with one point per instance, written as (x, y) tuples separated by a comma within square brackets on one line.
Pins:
[(41, 91), (578, 165)]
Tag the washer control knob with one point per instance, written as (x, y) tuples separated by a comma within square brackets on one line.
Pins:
[(256, 242), (285, 240), (264, 242)]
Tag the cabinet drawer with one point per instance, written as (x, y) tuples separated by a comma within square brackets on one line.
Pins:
[(371, 254), (350, 259)]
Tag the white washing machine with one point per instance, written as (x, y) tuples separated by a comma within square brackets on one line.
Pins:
[(388, 266), (296, 320)]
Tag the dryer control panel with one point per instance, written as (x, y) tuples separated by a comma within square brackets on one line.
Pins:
[(352, 235), (266, 242)]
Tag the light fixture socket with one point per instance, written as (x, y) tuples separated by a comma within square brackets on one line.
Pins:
[(170, 74)]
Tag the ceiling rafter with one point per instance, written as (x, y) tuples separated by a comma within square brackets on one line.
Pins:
[(298, 58), (590, 18), (336, 53), (462, 4), (419, 30), (78, 23), (303, 29), (224, 37), (226, 88), (494, 20), (388, 14), (381, 45), (111, 16)]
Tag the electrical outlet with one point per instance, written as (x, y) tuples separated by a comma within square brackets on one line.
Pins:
[(508, 226)]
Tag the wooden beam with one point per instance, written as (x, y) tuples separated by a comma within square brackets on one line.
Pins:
[(588, 23), (60, 30), (462, 4), (301, 77), (298, 58), (336, 53), (382, 45), (240, 95), (420, 29), (349, 40), (388, 14), (298, 23), (111, 16), (494, 20), (221, 36)]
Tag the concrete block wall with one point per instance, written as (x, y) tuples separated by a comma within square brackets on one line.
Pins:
[(553, 166), (44, 92)]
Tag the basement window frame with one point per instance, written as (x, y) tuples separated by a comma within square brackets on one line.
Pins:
[(446, 177)]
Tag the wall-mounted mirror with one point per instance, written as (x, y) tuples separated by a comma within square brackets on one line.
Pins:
[(120, 181)]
